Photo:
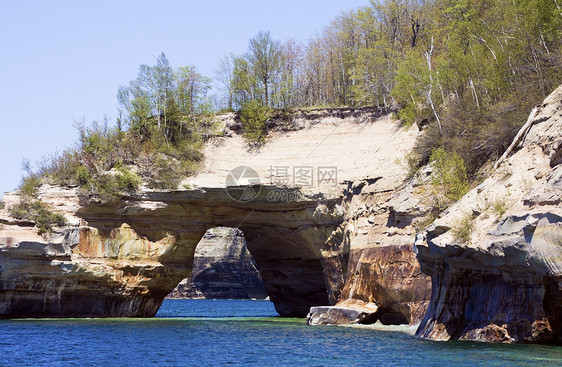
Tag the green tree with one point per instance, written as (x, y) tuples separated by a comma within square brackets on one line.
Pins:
[(163, 97), (244, 84), (286, 90), (264, 58), (192, 88), (449, 174), (224, 75)]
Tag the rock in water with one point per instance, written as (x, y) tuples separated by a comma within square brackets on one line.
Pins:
[(502, 280), (349, 312)]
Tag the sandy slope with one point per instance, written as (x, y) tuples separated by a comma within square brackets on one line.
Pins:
[(358, 149)]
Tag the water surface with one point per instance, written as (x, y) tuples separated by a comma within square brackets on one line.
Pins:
[(239, 332)]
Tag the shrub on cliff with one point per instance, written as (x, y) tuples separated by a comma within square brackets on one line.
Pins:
[(36, 211), (98, 164), (254, 116), (109, 186), (463, 228), (164, 117), (448, 179), (449, 173), (31, 182), (31, 208)]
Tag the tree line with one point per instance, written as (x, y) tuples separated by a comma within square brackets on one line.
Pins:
[(395, 51), (466, 70), (469, 69)]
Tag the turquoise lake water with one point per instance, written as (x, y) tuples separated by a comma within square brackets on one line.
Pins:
[(239, 332)]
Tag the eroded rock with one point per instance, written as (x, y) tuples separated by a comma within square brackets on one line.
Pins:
[(133, 252), (346, 312)]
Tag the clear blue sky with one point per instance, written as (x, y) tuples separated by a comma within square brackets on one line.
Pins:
[(64, 60)]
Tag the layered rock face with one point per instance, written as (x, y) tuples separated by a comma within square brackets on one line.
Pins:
[(502, 280), (79, 273), (145, 246), (222, 268), (383, 281)]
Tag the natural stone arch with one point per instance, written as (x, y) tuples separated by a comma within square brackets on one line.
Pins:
[(290, 241)]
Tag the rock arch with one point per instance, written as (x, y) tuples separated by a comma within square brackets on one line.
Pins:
[(290, 241), (122, 259)]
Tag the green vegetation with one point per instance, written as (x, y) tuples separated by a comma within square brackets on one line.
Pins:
[(449, 174), (411, 164), (255, 116), (448, 179), (426, 221), (499, 207), (466, 71), (110, 186), (164, 118), (36, 211), (31, 208), (463, 228), (30, 185)]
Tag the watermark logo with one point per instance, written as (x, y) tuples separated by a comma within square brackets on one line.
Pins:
[(303, 176), (286, 183), (243, 184)]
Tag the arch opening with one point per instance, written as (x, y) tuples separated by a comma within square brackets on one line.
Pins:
[(223, 268)]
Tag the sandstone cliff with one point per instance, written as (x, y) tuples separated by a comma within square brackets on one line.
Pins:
[(382, 277), (495, 257), (322, 185)]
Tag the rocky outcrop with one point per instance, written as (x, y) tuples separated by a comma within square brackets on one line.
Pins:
[(491, 264), (222, 268), (383, 281), (79, 273), (495, 257), (390, 277), (163, 229)]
